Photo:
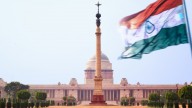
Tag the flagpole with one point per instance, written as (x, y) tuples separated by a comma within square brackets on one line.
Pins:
[(187, 25)]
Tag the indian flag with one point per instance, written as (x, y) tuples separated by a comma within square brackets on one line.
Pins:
[(160, 25)]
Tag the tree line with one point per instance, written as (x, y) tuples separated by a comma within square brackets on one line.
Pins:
[(168, 99), (171, 99), (19, 96)]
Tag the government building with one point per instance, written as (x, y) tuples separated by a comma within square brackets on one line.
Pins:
[(84, 92)]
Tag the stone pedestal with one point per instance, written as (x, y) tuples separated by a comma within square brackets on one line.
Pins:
[(98, 97), (98, 100)]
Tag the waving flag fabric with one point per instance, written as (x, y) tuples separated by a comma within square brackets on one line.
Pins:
[(160, 25)]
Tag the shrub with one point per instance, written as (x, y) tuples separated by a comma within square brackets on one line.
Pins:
[(144, 102), (176, 105), (169, 105), (17, 104), (47, 103), (183, 105), (122, 103), (64, 103), (37, 105), (25, 104), (22, 105), (8, 104), (69, 101), (189, 105), (42, 104), (2, 104), (52, 102), (74, 103), (32, 104), (14, 105)]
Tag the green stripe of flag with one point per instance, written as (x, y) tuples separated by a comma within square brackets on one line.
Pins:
[(166, 37)]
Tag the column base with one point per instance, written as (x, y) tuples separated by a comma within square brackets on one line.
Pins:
[(98, 100)]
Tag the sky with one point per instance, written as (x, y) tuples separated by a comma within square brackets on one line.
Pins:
[(50, 41)]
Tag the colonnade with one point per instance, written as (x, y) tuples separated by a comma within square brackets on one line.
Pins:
[(147, 92), (109, 95)]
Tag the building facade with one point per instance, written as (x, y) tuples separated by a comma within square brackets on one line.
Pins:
[(112, 92)]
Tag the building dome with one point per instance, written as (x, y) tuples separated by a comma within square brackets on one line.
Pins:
[(105, 63), (103, 58), (106, 70)]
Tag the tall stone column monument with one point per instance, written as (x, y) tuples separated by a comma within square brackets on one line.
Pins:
[(98, 98)]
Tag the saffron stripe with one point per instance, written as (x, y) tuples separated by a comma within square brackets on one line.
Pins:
[(166, 19), (153, 9)]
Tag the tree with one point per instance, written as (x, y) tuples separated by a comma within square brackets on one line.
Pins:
[(71, 100), (124, 101), (131, 100), (23, 95), (12, 88), (144, 102), (2, 102), (186, 92), (41, 96), (154, 97), (9, 103), (47, 103), (65, 100), (172, 97), (32, 99), (14, 103), (32, 104), (37, 104), (52, 102)]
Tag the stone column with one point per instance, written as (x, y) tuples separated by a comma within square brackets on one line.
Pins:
[(98, 98), (83, 94), (86, 95), (98, 52), (98, 78), (110, 95)]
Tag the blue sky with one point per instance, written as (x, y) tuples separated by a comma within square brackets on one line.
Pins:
[(50, 41)]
